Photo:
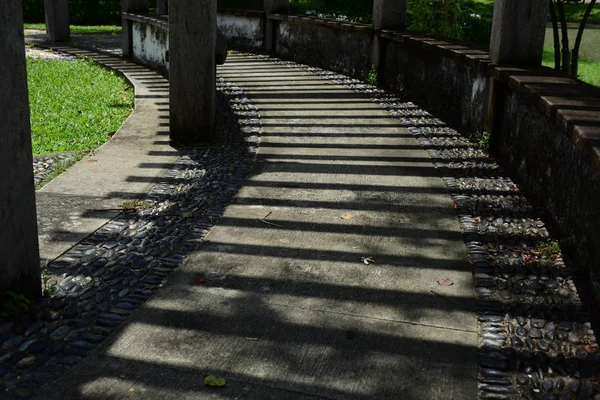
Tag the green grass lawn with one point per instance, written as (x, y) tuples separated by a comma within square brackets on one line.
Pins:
[(75, 105), (589, 71), (572, 11), (80, 28)]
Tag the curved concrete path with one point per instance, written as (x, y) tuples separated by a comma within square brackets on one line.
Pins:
[(87, 196), (288, 309)]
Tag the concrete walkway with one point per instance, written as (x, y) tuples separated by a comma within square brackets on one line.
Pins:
[(288, 309), (89, 194)]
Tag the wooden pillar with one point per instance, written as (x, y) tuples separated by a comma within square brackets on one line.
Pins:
[(518, 30), (517, 39), (192, 71), (19, 251), (162, 7), (387, 15), (57, 20), (273, 7), (130, 6)]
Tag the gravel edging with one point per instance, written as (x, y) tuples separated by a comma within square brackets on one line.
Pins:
[(535, 338), (45, 165), (105, 277)]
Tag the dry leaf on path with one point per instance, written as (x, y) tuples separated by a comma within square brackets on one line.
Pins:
[(445, 282), (346, 216)]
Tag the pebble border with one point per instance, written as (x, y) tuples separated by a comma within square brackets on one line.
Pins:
[(45, 164)]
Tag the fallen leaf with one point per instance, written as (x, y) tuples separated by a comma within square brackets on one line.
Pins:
[(445, 282), (346, 216), (200, 281), (187, 214), (215, 381), (132, 390)]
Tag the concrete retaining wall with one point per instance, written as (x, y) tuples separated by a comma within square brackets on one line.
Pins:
[(243, 30), (151, 45), (325, 44)]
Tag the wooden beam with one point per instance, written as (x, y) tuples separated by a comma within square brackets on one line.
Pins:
[(19, 251), (273, 7), (192, 71), (518, 31), (162, 7), (389, 14), (57, 20)]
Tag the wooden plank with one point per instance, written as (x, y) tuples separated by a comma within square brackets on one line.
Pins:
[(19, 255)]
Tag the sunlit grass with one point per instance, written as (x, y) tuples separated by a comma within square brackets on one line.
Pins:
[(75, 105), (80, 28), (588, 71)]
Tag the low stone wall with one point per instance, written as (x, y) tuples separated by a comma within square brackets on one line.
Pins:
[(150, 45), (150, 35), (450, 79), (244, 30), (333, 45), (547, 133)]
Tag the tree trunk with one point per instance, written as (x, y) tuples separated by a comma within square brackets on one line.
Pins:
[(566, 59), (556, 37), (575, 55)]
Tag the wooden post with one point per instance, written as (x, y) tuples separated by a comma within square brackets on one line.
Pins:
[(162, 7), (130, 6), (19, 251), (389, 15), (518, 31), (57, 20), (192, 71), (273, 7)]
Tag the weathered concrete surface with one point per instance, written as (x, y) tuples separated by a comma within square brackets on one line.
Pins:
[(19, 257), (78, 202), (288, 311)]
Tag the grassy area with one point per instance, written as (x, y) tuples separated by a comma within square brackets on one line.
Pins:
[(74, 105), (80, 28), (589, 71), (573, 12)]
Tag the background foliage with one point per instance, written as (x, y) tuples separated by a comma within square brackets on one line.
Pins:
[(81, 12)]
